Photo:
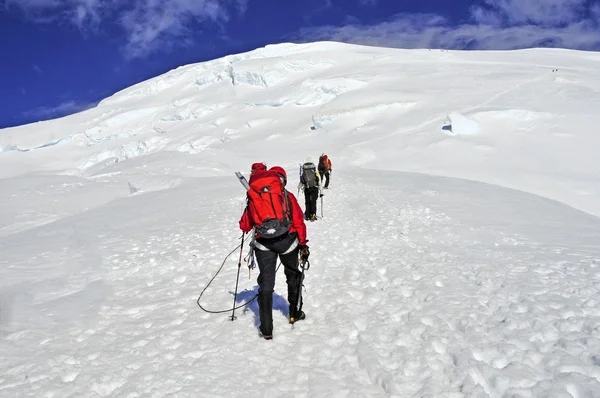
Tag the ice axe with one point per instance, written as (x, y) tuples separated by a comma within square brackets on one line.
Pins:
[(304, 264)]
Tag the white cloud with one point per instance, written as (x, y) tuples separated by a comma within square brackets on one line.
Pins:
[(148, 24), (496, 24), (45, 11), (242, 6), (87, 14), (33, 4), (152, 22), (595, 12), (64, 108), (537, 12)]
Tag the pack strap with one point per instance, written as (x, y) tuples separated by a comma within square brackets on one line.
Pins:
[(292, 246), (272, 205), (263, 248), (289, 210)]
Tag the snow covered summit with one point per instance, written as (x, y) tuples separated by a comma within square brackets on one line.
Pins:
[(522, 119), (458, 255)]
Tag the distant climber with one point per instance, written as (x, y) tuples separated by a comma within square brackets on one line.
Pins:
[(325, 169), (311, 182)]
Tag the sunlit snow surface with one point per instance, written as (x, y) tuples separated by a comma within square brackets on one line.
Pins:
[(458, 256)]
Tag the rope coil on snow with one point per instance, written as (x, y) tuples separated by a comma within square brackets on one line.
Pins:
[(211, 281), (214, 277)]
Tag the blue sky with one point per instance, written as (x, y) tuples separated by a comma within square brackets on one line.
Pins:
[(62, 56)]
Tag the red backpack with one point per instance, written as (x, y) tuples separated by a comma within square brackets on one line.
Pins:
[(268, 205), (324, 164)]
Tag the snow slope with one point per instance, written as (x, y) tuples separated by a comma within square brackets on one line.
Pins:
[(458, 255), (517, 122)]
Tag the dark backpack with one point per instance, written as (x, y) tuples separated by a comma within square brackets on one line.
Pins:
[(268, 205), (309, 175)]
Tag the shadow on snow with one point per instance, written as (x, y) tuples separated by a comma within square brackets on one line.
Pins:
[(279, 303)]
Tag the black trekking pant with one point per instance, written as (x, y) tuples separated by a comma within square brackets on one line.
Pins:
[(286, 249), (266, 253), (310, 200), (325, 174)]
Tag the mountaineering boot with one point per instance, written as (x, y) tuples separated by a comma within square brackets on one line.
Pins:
[(265, 310), (296, 315)]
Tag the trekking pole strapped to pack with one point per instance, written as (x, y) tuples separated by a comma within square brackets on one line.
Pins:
[(242, 180)]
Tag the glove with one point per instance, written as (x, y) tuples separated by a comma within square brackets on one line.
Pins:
[(304, 253)]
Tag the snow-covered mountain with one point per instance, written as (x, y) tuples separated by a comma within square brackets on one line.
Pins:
[(458, 256)]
